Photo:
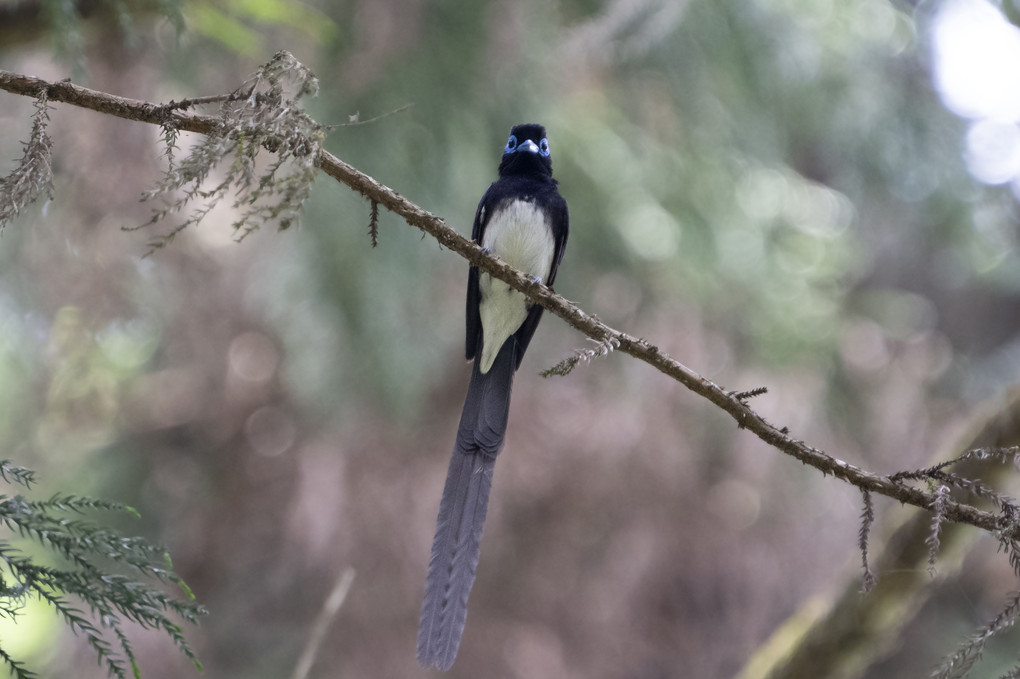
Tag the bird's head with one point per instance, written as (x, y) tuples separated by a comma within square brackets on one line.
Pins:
[(526, 152)]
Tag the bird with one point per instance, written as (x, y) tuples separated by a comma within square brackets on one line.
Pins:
[(523, 220)]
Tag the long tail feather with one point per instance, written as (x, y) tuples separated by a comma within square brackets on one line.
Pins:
[(457, 545), (455, 555)]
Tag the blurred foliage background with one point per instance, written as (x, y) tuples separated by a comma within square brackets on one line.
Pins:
[(814, 196)]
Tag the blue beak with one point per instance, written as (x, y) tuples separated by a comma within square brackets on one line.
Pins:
[(528, 145)]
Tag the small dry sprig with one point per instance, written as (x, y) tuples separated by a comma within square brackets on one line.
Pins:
[(938, 517), (1003, 454), (744, 396), (564, 367), (938, 473), (867, 520), (170, 135), (373, 224), (33, 175), (264, 114)]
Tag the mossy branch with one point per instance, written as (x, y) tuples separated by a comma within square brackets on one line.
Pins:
[(604, 335), (261, 116)]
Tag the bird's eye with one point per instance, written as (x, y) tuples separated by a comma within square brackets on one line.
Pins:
[(511, 144), (543, 147)]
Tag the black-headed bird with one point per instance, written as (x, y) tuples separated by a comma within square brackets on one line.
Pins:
[(522, 219)]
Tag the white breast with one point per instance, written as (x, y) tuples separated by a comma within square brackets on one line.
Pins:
[(520, 234)]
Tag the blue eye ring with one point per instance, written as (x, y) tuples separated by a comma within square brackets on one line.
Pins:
[(543, 146), (511, 144)]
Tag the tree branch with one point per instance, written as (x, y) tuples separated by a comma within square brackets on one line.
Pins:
[(850, 631), (745, 417)]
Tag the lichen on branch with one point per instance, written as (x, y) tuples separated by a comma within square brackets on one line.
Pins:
[(264, 114), (33, 175)]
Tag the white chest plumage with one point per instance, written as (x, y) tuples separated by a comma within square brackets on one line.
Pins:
[(520, 234)]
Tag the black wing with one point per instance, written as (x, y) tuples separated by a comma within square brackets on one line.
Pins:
[(560, 217), (474, 318)]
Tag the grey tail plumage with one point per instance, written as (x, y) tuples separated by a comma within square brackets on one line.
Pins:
[(456, 547)]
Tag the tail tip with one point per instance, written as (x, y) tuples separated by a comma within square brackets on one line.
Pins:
[(429, 658)]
